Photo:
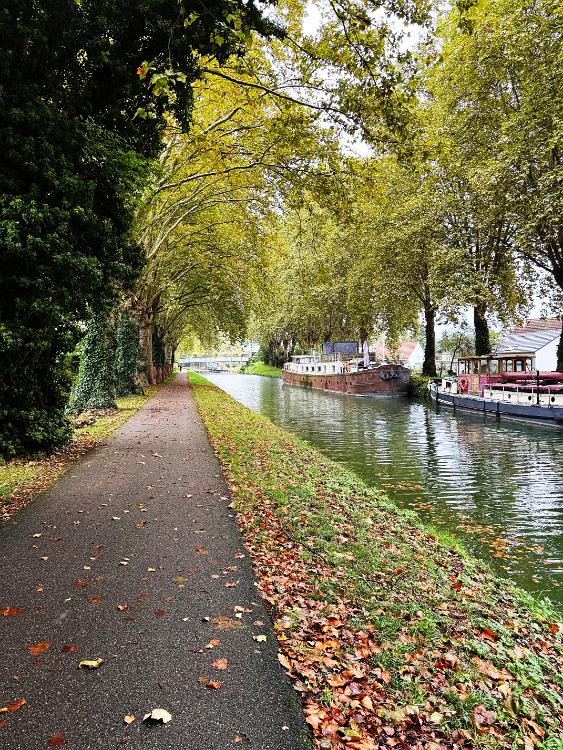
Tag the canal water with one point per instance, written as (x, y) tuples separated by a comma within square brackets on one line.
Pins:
[(497, 486)]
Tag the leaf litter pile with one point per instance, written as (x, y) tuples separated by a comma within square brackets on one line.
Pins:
[(392, 637)]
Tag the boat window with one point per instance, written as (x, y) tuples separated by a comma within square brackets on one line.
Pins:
[(484, 368), (493, 366), (508, 365), (519, 365), (476, 367)]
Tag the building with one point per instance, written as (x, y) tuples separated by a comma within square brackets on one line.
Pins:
[(409, 353), (537, 338)]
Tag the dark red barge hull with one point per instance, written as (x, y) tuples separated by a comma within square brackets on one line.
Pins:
[(387, 380)]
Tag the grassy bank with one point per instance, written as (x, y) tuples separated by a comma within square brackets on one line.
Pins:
[(261, 368), (391, 633), (418, 386), (21, 479)]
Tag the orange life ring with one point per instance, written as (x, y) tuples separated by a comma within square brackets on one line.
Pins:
[(463, 383)]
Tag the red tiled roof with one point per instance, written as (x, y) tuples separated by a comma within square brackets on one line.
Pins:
[(538, 324), (403, 352)]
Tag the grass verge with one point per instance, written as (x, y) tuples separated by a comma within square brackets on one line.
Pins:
[(393, 635), (261, 368), (22, 479)]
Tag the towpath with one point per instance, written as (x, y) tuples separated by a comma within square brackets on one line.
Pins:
[(134, 557)]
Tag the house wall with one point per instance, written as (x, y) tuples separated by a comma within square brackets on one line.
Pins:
[(416, 360), (546, 357)]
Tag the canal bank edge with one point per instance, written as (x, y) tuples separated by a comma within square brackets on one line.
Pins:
[(391, 633)]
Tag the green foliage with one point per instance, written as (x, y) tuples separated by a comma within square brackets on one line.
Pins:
[(96, 386), (74, 156), (128, 356)]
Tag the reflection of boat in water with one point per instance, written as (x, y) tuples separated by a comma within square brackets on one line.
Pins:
[(217, 367), (347, 373), (504, 386)]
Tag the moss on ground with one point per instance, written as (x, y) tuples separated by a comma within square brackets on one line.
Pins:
[(393, 636)]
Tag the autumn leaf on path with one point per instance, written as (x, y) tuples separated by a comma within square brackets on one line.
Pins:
[(122, 607), (38, 648), (222, 622), (231, 584), (158, 715), (90, 663), (70, 649), (209, 683), (11, 611), (159, 612), (129, 718), (3, 723), (259, 638), (16, 704), (220, 664), (213, 643), (284, 661), (56, 740), (95, 599)]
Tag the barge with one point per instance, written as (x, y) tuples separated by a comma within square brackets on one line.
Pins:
[(346, 373), (504, 386)]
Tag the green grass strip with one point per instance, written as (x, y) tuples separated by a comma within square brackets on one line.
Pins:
[(390, 630)]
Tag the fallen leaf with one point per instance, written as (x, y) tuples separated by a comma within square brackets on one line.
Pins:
[(213, 643), (11, 611), (95, 599), (554, 628), (16, 704), (482, 718), (220, 664), (38, 648), (159, 612), (231, 584), (122, 607), (222, 622), (3, 723), (56, 740), (90, 663), (129, 718), (259, 638), (209, 683), (158, 714), (36, 536), (151, 570), (284, 661), (70, 649), (489, 634)]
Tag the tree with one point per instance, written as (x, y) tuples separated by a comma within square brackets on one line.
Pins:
[(202, 222), (84, 91), (502, 75)]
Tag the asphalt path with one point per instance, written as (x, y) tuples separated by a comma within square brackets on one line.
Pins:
[(134, 557)]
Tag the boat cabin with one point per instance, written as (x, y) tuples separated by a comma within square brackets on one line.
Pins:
[(480, 372)]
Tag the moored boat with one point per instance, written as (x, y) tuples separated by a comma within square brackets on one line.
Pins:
[(347, 373), (504, 386)]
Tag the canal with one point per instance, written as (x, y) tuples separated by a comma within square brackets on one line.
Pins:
[(499, 487)]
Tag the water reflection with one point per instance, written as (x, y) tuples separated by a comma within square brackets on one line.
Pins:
[(500, 486)]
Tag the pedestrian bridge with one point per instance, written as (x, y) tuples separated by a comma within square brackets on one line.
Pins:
[(209, 363)]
